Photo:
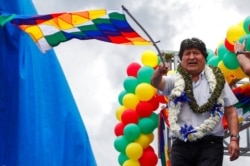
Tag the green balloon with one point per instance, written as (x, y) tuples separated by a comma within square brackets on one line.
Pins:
[(131, 132), (213, 61), (121, 143), (147, 125), (122, 158), (130, 84), (230, 61), (210, 54), (246, 24), (120, 96), (155, 118), (144, 74), (222, 50)]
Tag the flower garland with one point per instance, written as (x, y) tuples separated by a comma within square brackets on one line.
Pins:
[(182, 93)]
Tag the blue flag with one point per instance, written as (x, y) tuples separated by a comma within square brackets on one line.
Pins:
[(40, 124)]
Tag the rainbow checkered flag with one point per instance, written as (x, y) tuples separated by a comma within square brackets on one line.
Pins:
[(50, 30)]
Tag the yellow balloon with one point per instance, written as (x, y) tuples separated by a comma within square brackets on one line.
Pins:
[(239, 73), (119, 112), (145, 91), (171, 72), (130, 100), (134, 150), (234, 33), (149, 58), (145, 139), (226, 72), (131, 163)]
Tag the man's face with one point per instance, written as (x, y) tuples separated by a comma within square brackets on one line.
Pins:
[(193, 61)]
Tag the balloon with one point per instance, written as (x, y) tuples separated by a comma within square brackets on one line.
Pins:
[(239, 73), (119, 129), (119, 112), (154, 118), (132, 132), (130, 100), (133, 68), (246, 24), (134, 151), (144, 108), (154, 103), (224, 69), (122, 158), (129, 116), (145, 91), (148, 158), (121, 143), (230, 61), (234, 32), (229, 46), (221, 50), (210, 54), (171, 72), (144, 74), (213, 61), (149, 58), (131, 163), (145, 139), (162, 98), (130, 84), (147, 125), (121, 95)]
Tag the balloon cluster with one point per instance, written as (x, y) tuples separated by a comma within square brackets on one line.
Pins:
[(137, 114), (224, 56)]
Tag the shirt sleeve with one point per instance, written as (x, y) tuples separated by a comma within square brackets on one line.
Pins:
[(169, 84), (229, 97)]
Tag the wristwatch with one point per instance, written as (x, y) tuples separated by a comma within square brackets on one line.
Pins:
[(240, 52), (235, 136)]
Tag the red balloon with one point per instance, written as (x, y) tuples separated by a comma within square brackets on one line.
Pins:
[(162, 99), (144, 109), (133, 68), (229, 46), (119, 129), (154, 102), (129, 116), (149, 148), (148, 158)]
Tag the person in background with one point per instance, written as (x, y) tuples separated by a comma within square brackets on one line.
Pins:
[(242, 56), (198, 98)]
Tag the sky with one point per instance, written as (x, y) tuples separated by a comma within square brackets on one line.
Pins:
[(96, 70)]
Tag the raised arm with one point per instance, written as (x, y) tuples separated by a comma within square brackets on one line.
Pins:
[(242, 56), (157, 81)]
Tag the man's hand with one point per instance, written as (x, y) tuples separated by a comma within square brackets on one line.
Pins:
[(233, 150), (163, 68)]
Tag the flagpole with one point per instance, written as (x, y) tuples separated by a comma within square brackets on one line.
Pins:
[(151, 39)]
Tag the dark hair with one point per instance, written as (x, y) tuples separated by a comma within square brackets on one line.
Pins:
[(193, 43)]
